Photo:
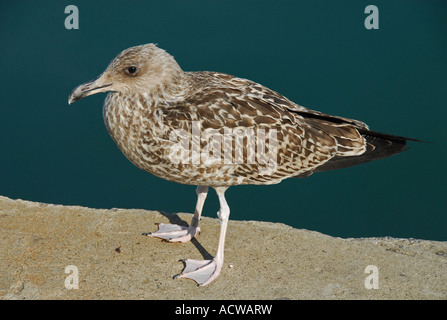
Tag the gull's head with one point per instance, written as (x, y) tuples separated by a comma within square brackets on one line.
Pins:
[(144, 69)]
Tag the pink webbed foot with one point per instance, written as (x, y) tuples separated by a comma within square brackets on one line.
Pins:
[(174, 232), (201, 271)]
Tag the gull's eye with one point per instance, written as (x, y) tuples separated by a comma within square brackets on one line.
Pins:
[(131, 71)]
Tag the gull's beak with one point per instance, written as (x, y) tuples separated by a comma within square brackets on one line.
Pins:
[(87, 89)]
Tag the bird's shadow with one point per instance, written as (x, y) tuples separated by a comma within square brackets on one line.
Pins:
[(175, 219)]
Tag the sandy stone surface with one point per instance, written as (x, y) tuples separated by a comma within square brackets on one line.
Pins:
[(263, 260)]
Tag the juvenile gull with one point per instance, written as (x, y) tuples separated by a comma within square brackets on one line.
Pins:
[(188, 127)]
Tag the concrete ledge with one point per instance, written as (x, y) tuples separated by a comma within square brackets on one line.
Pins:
[(263, 260)]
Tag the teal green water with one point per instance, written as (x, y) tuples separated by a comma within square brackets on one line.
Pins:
[(316, 53)]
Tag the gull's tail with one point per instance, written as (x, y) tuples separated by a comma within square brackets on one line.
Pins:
[(379, 145)]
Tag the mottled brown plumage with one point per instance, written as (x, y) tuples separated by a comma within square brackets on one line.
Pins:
[(184, 127)]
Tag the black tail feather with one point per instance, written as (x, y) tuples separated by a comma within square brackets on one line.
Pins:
[(379, 146)]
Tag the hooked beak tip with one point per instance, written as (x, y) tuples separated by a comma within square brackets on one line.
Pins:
[(75, 95), (71, 99)]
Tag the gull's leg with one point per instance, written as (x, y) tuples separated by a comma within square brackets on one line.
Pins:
[(205, 271), (176, 233)]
